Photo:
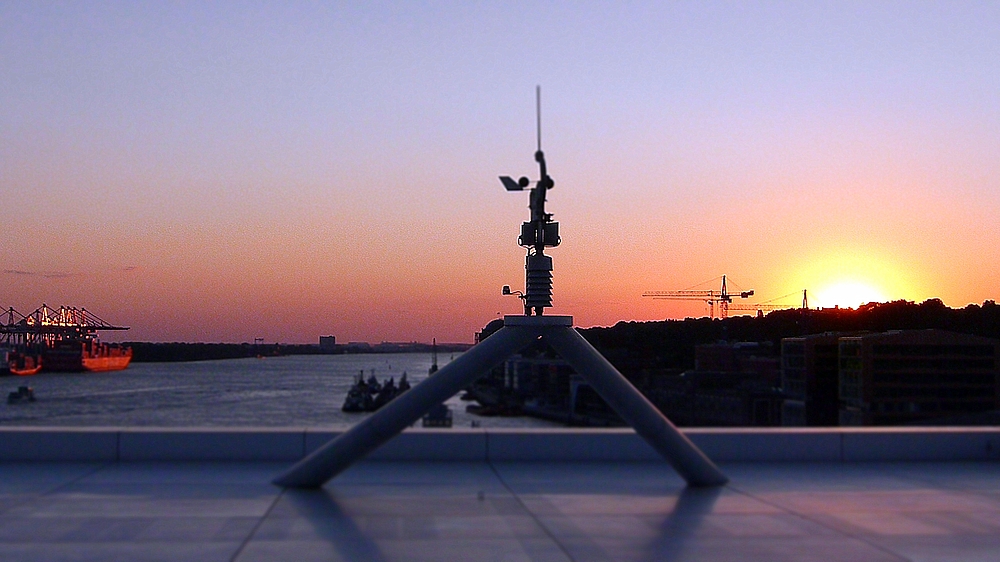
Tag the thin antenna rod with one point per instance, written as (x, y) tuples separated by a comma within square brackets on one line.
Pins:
[(538, 113)]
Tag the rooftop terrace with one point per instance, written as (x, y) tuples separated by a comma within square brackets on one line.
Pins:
[(205, 494)]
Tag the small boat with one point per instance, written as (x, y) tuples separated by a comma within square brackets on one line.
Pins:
[(434, 357), (438, 416), (22, 364), (374, 387), (385, 394), (22, 394), (370, 395), (358, 397)]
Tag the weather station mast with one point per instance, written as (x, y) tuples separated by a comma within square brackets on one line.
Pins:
[(517, 333), (538, 233)]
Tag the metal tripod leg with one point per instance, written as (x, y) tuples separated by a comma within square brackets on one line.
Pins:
[(329, 460), (633, 407), (369, 434)]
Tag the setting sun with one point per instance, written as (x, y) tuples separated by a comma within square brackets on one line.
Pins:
[(847, 294), (848, 276)]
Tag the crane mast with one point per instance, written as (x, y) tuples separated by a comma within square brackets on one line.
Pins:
[(722, 298)]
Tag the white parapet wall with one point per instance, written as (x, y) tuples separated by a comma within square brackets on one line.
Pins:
[(500, 445)]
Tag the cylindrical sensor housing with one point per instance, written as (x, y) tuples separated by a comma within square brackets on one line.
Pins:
[(539, 282)]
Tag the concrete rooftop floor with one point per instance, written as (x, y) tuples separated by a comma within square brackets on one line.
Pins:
[(500, 511)]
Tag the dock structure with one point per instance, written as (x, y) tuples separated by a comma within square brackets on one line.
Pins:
[(63, 339), (45, 325)]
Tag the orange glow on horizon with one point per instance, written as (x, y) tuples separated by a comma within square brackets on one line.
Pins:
[(847, 294), (240, 182), (852, 276)]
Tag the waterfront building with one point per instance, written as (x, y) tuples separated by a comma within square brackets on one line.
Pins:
[(718, 399), (809, 378), (732, 384), (738, 357), (900, 377), (358, 347)]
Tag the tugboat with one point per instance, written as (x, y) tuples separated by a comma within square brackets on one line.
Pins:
[(22, 394), (23, 364), (434, 357), (19, 362), (385, 394), (438, 416), (370, 395), (358, 398)]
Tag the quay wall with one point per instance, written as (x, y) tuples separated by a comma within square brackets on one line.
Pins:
[(501, 445)]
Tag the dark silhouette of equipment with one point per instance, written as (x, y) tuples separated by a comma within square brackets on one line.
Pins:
[(517, 333), (723, 298), (538, 233)]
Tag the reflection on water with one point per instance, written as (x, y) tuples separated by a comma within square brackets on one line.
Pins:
[(298, 390)]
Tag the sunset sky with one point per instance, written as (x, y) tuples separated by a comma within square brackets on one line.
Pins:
[(225, 171)]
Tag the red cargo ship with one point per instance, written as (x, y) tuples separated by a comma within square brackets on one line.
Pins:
[(87, 355), (66, 339)]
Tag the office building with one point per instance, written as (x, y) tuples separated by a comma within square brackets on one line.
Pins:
[(809, 378), (900, 377)]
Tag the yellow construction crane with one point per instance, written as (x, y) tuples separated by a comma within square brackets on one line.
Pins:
[(721, 298), (769, 305)]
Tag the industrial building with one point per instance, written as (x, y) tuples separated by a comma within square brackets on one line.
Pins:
[(900, 377), (732, 384), (887, 378), (810, 380)]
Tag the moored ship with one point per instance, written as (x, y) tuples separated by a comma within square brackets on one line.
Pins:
[(87, 355), (18, 362), (63, 340), (23, 364)]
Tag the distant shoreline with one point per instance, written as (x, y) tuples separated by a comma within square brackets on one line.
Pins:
[(150, 352)]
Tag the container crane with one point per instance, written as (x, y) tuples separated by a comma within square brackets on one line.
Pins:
[(722, 298), (47, 325)]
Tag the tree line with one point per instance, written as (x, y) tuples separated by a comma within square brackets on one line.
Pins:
[(634, 347)]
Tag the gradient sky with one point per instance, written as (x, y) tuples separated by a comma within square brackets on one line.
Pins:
[(225, 171)]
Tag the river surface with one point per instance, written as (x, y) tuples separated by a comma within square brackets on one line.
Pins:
[(297, 390)]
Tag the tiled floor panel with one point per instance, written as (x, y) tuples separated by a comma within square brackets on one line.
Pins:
[(515, 511)]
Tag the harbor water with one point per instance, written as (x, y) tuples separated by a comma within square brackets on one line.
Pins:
[(297, 390)]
